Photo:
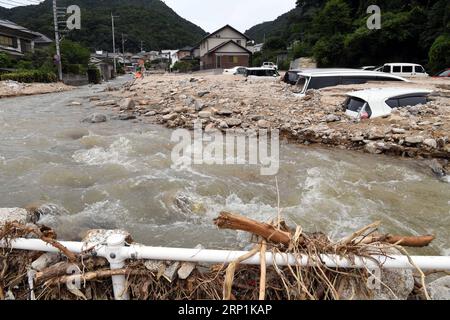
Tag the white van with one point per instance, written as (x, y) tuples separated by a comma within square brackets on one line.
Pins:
[(405, 69), (322, 78)]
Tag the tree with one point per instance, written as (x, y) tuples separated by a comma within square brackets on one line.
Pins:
[(328, 51), (274, 43), (334, 18), (440, 53)]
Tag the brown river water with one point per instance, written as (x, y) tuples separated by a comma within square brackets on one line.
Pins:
[(118, 175)]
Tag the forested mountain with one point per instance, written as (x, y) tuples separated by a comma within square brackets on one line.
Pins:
[(336, 34), (150, 21)]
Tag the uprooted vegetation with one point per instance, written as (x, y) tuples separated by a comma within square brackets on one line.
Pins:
[(159, 280)]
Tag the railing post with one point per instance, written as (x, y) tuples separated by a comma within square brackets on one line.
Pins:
[(115, 243)]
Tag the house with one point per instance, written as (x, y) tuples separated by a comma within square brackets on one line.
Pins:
[(184, 52), (256, 48), (42, 41), (16, 40), (224, 48)]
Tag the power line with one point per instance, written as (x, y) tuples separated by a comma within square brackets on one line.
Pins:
[(15, 3)]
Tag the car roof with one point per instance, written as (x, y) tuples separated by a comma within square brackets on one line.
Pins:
[(377, 94), (348, 72), (402, 64), (260, 68)]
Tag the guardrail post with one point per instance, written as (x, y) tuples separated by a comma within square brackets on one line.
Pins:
[(114, 246)]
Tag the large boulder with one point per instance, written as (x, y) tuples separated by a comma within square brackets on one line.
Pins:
[(440, 289), (127, 104), (393, 284), (96, 118)]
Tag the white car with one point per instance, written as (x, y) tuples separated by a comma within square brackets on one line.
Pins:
[(235, 71), (405, 69), (270, 65), (373, 103)]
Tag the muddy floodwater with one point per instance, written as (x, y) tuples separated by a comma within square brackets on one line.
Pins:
[(118, 175)]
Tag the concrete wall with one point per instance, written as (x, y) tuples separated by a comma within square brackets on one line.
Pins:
[(75, 79)]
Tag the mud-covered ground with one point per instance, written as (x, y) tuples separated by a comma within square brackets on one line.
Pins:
[(240, 104), (16, 89)]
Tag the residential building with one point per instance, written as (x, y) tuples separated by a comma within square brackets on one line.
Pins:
[(184, 52), (224, 48), (16, 40)]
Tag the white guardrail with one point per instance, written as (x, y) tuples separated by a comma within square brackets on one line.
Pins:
[(116, 252)]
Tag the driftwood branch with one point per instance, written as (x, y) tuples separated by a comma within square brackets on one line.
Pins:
[(413, 242), (232, 221), (101, 274), (268, 232)]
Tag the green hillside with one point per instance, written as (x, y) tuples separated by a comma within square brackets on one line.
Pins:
[(150, 21), (335, 32)]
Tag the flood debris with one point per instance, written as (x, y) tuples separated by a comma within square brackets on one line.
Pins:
[(177, 280), (231, 103)]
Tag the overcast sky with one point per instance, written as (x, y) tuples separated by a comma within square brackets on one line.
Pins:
[(213, 14), (241, 14)]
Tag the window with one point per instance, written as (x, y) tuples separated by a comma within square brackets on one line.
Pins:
[(353, 80), (407, 69), (445, 74), (419, 69), (411, 101), (393, 103), (400, 102), (323, 82), (235, 59), (6, 41), (387, 69), (397, 69), (354, 104), (301, 83)]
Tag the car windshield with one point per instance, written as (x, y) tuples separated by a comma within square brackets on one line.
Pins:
[(301, 83), (354, 104), (445, 74)]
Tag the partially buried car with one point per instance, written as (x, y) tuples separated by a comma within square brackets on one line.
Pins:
[(235, 71), (373, 103)]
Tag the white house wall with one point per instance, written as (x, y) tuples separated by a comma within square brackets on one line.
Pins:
[(217, 39)]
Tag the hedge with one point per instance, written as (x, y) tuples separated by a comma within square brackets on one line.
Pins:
[(30, 76)]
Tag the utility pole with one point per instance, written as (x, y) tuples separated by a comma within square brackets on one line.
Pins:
[(142, 46), (123, 45), (57, 41), (114, 43)]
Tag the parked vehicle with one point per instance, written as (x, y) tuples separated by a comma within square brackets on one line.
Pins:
[(405, 69), (262, 72), (373, 103), (235, 71), (443, 74), (323, 78), (269, 65), (369, 68)]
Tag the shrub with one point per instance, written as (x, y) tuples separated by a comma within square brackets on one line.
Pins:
[(30, 76), (440, 53), (184, 66), (94, 74)]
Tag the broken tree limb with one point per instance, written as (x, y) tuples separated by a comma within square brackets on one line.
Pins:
[(101, 274), (232, 221), (414, 242)]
